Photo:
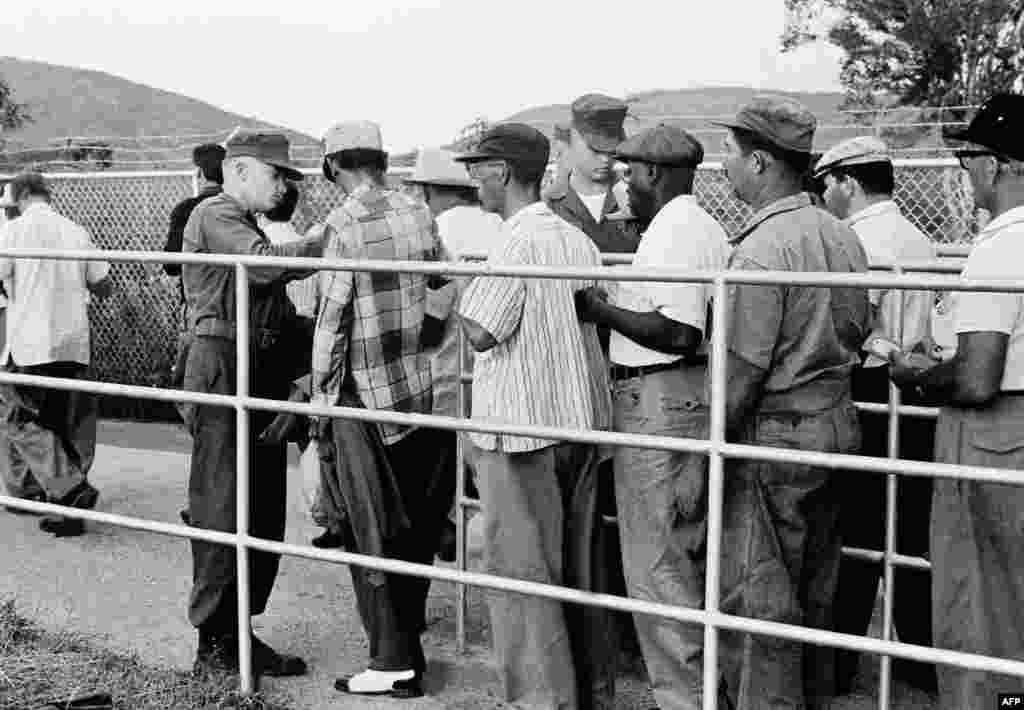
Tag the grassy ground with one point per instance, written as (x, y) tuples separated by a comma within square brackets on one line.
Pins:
[(39, 667)]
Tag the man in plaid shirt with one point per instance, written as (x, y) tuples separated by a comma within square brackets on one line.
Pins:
[(384, 486)]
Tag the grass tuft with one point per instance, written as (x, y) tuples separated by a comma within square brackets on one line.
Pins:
[(39, 667)]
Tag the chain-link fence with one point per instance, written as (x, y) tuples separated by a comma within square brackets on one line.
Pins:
[(135, 331)]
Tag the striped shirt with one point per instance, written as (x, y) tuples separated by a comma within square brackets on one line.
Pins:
[(368, 329), (547, 368)]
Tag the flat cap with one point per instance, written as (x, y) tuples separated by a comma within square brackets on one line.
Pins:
[(598, 118), (267, 147), (854, 151), (352, 135), (662, 145), (997, 126), (511, 141), (784, 121)]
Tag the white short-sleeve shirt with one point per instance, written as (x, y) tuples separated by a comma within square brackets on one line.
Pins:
[(681, 235), (998, 253), (889, 237), (47, 312)]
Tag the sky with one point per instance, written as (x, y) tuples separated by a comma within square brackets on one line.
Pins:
[(422, 69)]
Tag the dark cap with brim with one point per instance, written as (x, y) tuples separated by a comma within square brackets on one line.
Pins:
[(598, 119), (662, 145), (785, 122), (997, 126), (267, 147), (510, 141)]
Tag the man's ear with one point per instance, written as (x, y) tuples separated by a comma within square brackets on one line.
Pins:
[(655, 173)]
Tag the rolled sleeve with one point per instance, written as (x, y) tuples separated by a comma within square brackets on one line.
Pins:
[(755, 316)]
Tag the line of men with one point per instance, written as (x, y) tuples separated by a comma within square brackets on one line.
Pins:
[(797, 357)]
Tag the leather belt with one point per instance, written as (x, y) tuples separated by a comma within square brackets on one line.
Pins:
[(259, 338), (625, 372)]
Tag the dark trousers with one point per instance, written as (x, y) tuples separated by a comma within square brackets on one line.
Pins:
[(393, 606), (862, 525), (49, 435), (212, 480)]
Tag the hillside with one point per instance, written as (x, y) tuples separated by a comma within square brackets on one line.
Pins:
[(71, 102), (693, 109)]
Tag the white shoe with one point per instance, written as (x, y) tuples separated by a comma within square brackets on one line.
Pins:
[(371, 682)]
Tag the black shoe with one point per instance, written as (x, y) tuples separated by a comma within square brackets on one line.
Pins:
[(327, 540), (59, 526), (276, 665), (34, 497), (217, 653), (84, 497), (447, 547), (185, 517), (408, 689)]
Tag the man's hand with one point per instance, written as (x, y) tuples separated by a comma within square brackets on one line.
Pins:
[(906, 368), (287, 426), (589, 302)]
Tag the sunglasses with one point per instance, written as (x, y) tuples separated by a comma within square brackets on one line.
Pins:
[(486, 170)]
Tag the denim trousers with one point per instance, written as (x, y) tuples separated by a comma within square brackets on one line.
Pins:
[(780, 558), (661, 498)]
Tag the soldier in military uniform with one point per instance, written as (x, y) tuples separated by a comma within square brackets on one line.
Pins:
[(255, 169)]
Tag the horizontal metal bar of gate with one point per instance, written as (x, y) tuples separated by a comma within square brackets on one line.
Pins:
[(716, 448), (478, 579)]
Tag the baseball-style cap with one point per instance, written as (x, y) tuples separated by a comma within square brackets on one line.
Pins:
[(511, 141), (267, 147), (997, 126), (435, 166), (352, 135), (662, 145), (854, 151), (784, 121), (598, 118)]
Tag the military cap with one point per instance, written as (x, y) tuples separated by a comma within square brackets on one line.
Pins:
[(598, 118), (517, 142), (662, 145), (785, 122), (854, 151), (267, 147), (997, 126)]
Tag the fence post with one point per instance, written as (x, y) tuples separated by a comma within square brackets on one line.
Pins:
[(461, 509), (891, 488), (716, 484), (242, 476)]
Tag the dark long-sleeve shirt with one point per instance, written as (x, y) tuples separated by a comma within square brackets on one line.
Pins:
[(221, 225), (179, 218)]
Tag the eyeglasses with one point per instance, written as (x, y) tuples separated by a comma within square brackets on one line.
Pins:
[(964, 155), (486, 170)]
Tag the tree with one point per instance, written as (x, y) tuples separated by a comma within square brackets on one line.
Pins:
[(916, 52), (13, 115)]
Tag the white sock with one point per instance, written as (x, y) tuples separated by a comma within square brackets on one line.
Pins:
[(371, 681)]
